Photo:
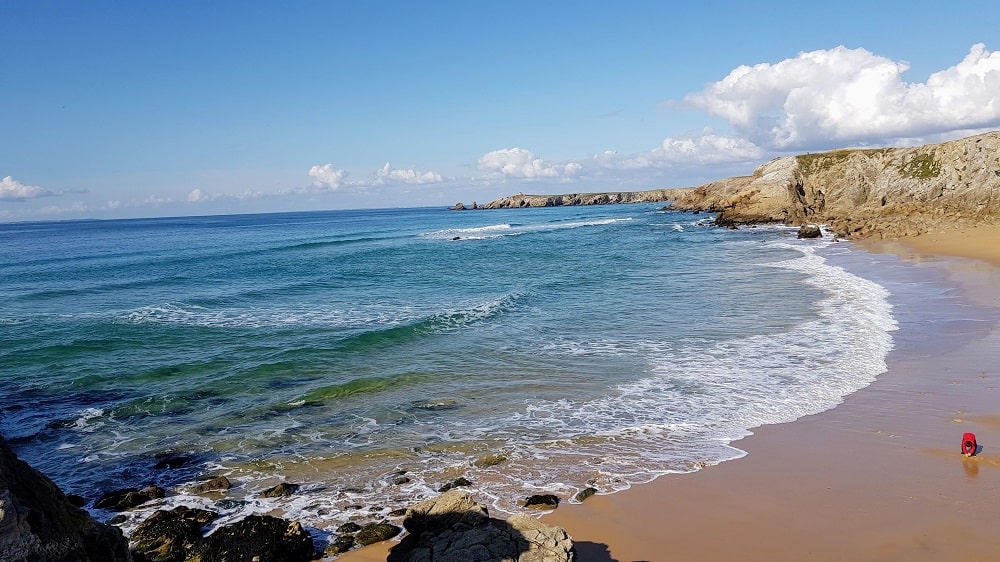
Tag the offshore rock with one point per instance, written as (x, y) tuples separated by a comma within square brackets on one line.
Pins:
[(454, 527), (38, 523)]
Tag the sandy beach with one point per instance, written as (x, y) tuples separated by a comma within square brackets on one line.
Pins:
[(879, 477)]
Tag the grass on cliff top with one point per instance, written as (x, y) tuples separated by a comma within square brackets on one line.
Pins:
[(921, 167), (821, 161)]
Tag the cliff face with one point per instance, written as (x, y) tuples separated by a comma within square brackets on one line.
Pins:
[(866, 192)]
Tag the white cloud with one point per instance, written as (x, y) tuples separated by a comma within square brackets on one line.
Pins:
[(76, 208), (522, 163), (13, 190), (197, 195), (850, 95), (327, 176), (114, 204), (389, 175), (706, 148)]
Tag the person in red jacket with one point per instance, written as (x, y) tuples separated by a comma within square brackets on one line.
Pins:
[(969, 444)]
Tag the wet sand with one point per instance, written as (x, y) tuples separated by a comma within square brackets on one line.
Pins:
[(879, 477)]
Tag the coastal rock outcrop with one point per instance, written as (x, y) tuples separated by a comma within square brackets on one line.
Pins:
[(860, 193), (177, 536), (38, 523), (455, 527)]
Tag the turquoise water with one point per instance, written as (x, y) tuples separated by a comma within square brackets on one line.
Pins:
[(599, 346)]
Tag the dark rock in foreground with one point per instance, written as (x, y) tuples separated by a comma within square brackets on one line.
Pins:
[(170, 536), (257, 538), (454, 527), (176, 536), (39, 524)]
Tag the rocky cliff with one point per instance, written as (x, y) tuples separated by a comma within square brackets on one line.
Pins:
[(885, 192), (859, 193)]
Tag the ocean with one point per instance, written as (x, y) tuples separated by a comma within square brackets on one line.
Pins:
[(373, 356)]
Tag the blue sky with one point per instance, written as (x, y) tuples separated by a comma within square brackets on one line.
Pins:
[(180, 108)]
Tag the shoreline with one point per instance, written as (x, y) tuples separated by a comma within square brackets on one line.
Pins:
[(880, 476)]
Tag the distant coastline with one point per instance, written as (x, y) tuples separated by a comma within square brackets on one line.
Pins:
[(521, 200), (882, 193)]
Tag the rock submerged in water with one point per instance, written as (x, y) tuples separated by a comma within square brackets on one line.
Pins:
[(38, 522), (455, 527)]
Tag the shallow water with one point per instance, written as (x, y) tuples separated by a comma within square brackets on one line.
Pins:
[(374, 355)]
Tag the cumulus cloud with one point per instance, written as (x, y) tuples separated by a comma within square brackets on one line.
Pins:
[(327, 176), (522, 163), (13, 190), (390, 175), (197, 195), (698, 150), (850, 95)]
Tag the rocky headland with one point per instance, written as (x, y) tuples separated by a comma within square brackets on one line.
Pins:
[(856, 193)]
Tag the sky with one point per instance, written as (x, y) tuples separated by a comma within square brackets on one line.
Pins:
[(142, 109)]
